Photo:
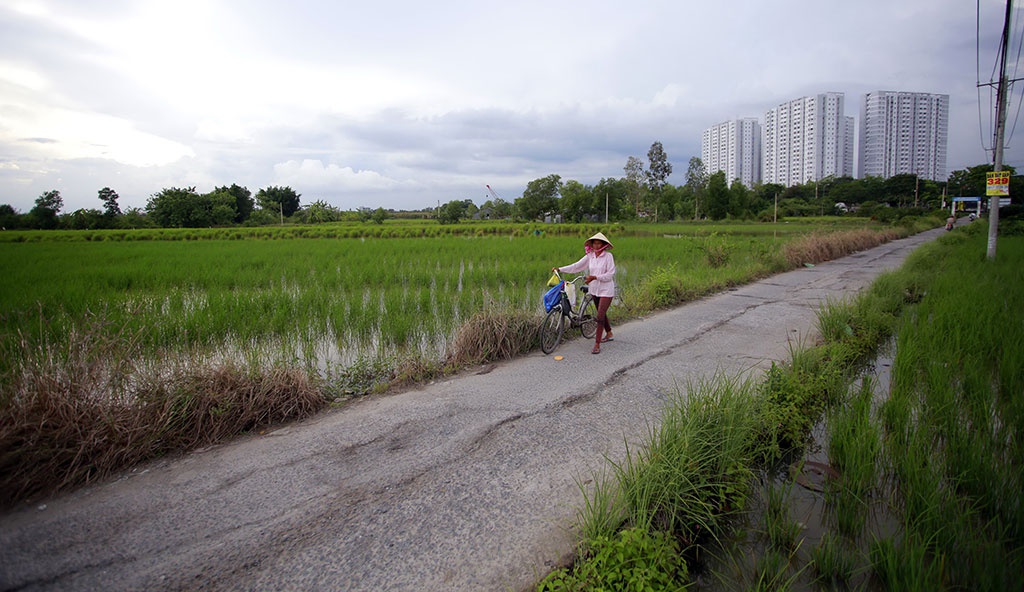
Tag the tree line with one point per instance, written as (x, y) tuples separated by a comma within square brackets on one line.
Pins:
[(643, 193), (184, 207)]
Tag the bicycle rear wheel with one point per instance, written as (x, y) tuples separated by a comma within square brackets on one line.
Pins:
[(588, 317), (551, 330)]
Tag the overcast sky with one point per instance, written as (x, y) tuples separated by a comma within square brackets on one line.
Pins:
[(404, 104)]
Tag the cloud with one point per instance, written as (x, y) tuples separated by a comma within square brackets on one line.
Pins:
[(404, 104), (314, 174)]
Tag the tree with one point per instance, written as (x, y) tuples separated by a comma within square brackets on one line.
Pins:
[(379, 216), (497, 209), (135, 218), (634, 170), (452, 212), (900, 189), (319, 212), (540, 197), (281, 200), (739, 200), (184, 208), (697, 181), (577, 202), (972, 182), (109, 198), (9, 217), (658, 170), (670, 202), (87, 219), (242, 197), (615, 194), (44, 214), (717, 196)]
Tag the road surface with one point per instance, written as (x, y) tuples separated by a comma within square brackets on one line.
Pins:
[(470, 483)]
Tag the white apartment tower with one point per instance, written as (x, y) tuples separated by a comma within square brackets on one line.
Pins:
[(903, 133), (808, 139), (735, 148)]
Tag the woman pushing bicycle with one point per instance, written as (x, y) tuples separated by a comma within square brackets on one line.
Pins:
[(600, 266)]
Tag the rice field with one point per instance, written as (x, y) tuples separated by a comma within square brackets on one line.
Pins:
[(315, 300), (116, 347)]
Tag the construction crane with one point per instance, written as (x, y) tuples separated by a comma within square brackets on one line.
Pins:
[(493, 193)]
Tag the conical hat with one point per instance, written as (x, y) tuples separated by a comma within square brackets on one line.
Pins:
[(601, 237)]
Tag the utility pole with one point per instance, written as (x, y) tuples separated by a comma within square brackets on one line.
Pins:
[(993, 203)]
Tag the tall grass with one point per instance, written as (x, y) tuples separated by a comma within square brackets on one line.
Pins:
[(685, 481), (94, 409)]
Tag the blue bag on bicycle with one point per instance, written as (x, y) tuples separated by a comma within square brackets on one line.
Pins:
[(552, 297)]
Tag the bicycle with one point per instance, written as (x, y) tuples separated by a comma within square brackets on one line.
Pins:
[(571, 311)]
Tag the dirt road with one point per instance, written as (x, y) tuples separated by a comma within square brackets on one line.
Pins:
[(465, 484)]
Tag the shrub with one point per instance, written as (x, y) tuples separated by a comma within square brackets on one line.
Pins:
[(631, 560)]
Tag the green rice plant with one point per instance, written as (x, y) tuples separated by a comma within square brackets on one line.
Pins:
[(907, 565), (854, 442), (833, 562), (773, 572), (781, 530), (848, 512)]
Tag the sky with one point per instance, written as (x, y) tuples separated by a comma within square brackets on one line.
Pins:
[(407, 104)]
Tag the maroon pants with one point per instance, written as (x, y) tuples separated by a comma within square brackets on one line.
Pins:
[(603, 302)]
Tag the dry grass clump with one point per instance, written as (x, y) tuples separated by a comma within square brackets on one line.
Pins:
[(815, 248), (87, 412), (492, 335)]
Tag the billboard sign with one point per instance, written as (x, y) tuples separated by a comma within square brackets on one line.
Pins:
[(998, 184)]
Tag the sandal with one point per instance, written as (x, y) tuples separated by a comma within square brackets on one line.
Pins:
[(607, 339), (596, 350)]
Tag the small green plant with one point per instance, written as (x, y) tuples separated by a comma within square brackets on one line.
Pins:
[(631, 560), (662, 288), (716, 251)]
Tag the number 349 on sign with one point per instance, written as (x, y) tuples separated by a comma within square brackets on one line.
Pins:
[(998, 183)]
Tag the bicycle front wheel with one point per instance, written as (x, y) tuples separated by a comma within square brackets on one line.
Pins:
[(551, 330), (588, 318)]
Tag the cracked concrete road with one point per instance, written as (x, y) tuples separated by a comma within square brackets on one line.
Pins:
[(466, 484)]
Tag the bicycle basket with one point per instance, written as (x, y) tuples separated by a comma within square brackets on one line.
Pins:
[(552, 297)]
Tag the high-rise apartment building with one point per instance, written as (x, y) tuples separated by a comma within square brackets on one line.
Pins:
[(735, 148), (807, 139), (903, 133)]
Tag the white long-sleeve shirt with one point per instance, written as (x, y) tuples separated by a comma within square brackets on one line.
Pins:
[(602, 267)]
